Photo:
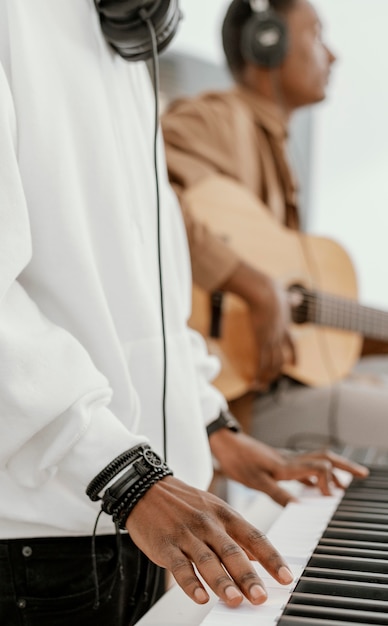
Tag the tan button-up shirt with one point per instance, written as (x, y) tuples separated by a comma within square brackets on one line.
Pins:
[(237, 134)]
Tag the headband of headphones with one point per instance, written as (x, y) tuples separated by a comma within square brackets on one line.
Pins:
[(124, 27), (264, 39)]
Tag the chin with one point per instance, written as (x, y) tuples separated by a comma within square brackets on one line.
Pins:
[(321, 97), (306, 102), (317, 97)]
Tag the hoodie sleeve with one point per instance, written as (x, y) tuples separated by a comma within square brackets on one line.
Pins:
[(207, 368), (53, 401)]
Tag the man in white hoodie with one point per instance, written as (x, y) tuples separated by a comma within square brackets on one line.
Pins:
[(82, 391)]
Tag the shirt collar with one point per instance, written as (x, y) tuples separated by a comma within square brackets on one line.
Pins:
[(266, 113)]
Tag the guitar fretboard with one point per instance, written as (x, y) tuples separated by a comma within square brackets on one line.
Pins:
[(345, 314)]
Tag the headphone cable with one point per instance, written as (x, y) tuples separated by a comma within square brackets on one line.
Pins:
[(155, 76)]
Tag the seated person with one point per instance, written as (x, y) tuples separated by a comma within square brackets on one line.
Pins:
[(241, 134)]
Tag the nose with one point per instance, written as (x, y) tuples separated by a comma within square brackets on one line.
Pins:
[(331, 56)]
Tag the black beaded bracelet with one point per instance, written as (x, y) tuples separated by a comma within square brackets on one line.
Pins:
[(145, 468), (121, 513), (102, 479)]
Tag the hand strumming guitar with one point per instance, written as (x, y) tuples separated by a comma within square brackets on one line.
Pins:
[(270, 315)]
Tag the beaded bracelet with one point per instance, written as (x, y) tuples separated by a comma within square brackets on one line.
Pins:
[(146, 467), (120, 497), (121, 513), (102, 479)]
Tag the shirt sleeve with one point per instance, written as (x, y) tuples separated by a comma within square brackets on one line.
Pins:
[(207, 368), (212, 260), (195, 149), (53, 401)]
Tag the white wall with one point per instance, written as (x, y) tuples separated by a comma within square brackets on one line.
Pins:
[(349, 193), (199, 31)]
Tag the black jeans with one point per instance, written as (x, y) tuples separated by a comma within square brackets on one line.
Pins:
[(51, 582)]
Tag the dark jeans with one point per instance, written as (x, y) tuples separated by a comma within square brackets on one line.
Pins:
[(50, 582)]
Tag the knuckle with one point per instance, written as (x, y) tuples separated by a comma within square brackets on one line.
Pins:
[(189, 581), (205, 557), (326, 466), (224, 514), (179, 564), (169, 538), (230, 549), (222, 581), (248, 578), (316, 465), (200, 520), (166, 545), (173, 540), (257, 537)]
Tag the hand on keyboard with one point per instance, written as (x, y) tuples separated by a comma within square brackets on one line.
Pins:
[(178, 527), (256, 465)]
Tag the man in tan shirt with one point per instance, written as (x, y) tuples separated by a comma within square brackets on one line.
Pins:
[(241, 134)]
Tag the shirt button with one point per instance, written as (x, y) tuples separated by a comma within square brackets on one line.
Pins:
[(26, 551), (21, 603)]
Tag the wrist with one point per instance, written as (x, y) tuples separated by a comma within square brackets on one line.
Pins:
[(223, 446), (225, 420)]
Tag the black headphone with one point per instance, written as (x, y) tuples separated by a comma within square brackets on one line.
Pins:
[(123, 23), (264, 39)]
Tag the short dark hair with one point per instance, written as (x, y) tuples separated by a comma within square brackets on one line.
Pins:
[(237, 15)]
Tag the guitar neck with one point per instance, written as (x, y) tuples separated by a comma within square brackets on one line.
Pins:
[(345, 314)]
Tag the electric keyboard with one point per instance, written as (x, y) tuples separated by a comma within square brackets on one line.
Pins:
[(337, 548)]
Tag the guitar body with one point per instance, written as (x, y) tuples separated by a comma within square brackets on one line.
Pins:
[(324, 355)]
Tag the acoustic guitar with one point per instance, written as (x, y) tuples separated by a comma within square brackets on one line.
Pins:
[(328, 324)]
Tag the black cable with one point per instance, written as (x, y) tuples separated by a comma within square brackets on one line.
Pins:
[(155, 75), (155, 71), (94, 565)]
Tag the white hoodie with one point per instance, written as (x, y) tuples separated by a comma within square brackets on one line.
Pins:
[(80, 324)]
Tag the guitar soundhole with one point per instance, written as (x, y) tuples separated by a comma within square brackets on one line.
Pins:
[(302, 303)]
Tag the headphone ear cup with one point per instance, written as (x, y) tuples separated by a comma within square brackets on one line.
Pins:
[(264, 40), (127, 33)]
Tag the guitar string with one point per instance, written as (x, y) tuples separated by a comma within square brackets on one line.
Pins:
[(344, 314)]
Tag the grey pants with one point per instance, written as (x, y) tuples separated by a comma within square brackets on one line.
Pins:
[(353, 412)]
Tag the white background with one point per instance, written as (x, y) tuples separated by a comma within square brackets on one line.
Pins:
[(349, 192)]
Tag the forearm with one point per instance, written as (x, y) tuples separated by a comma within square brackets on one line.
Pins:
[(225, 444), (250, 284)]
